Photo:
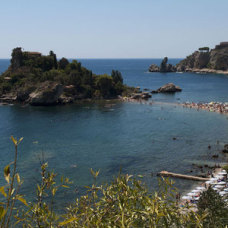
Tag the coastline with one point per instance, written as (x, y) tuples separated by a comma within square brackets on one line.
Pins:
[(206, 71)]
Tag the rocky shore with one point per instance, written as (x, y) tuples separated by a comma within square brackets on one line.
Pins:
[(203, 60)]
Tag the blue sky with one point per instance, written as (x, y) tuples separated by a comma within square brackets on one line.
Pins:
[(112, 28)]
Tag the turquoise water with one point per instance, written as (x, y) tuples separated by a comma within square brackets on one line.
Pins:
[(137, 138)]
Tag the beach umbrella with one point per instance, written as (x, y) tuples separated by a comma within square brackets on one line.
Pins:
[(222, 173), (201, 188), (219, 186), (213, 179), (186, 197), (196, 190), (222, 193), (214, 183), (221, 183), (191, 194), (196, 198), (219, 177)]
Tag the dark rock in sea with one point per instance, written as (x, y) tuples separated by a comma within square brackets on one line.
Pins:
[(169, 88), (154, 68), (174, 138), (225, 150), (164, 67), (154, 91), (143, 95), (47, 93), (215, 156)]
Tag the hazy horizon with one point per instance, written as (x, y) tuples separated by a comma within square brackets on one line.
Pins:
[(101, 29)]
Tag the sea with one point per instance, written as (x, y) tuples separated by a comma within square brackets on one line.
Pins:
[(119, 137)]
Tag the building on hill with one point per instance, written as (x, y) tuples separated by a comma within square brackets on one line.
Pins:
[(32, 54), (221, 45)]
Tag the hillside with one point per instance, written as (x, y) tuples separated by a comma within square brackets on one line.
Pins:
[(204, 60)]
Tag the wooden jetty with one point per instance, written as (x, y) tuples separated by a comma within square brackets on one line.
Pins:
[(176, 175)]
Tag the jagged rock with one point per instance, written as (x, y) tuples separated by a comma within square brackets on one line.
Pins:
[(164, 67), (154, 68), (144, 95), (8, 98), (136, 96), (169, 88), (65, 99), (219, 59), (197, 60), (206, 62), (47, 93), (23, 95)]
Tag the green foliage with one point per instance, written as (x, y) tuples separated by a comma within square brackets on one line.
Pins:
[(117, 76), (63, 62), (215, 207), (53, 55), (105, 85)]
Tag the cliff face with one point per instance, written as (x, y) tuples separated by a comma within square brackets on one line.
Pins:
[(216, 59)]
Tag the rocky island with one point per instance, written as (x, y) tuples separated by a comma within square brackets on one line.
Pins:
[(36, 79), (203, 61)]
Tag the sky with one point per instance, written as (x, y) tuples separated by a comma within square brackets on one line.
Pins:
[(112, 28)]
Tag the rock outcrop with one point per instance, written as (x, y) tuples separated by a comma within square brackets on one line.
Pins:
[(164, 67), (168, 88), (206, 61), (143, 95), (202, 61), (48, 93)]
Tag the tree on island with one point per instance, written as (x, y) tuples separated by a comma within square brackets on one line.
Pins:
[(53, 55), (117, 76), (63, 62)]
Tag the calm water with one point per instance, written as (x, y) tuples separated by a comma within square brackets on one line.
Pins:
[(135, 137)]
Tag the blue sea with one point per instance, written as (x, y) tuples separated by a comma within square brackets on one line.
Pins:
[(135, 138)]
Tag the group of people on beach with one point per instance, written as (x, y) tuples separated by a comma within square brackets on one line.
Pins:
[(212, 106), (218, 182)]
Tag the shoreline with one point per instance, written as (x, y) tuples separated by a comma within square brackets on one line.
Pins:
[(218, 107), (205, 71)]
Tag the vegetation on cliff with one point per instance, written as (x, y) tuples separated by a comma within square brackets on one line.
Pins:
[(43, 80), (125, 202)]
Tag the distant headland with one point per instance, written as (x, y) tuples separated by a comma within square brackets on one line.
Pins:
[(36, 79), (203, 61)]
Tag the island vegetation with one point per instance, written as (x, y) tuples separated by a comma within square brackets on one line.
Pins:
[(44, 80)]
